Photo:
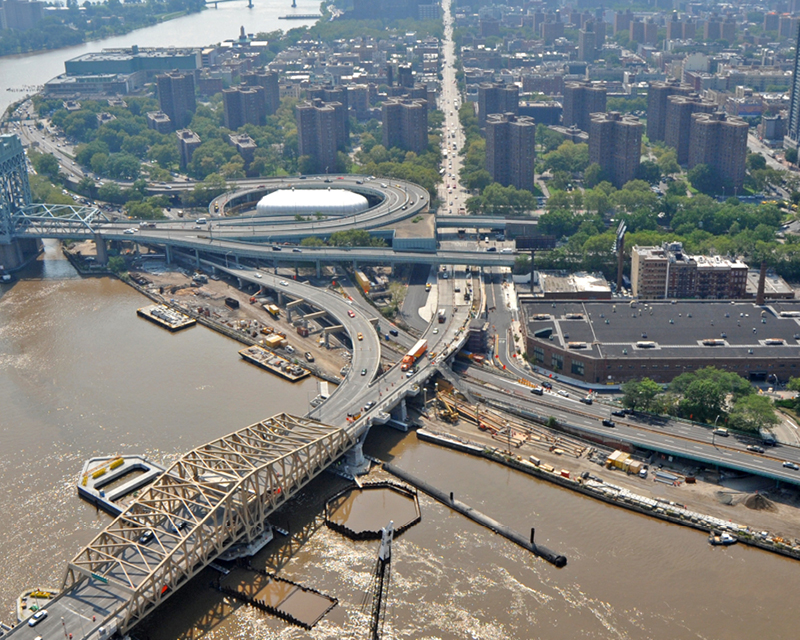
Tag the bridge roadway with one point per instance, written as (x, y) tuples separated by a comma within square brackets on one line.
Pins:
[(134, 569)]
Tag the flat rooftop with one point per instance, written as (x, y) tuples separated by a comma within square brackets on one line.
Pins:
[(572, 283), (612, 328), (774, 285)]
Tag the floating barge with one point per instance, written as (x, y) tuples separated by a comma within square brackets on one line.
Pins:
[(301, 16), (98, 473), (165, 317), (271, 362)]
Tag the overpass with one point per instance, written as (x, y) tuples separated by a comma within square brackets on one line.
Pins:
[(220, 495)]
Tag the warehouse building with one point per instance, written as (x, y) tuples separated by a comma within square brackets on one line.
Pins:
[(611, 342)]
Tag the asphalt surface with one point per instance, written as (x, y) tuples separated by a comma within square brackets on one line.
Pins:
[(416, 297)]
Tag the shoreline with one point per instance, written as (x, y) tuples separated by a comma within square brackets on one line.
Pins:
[(672, 513)]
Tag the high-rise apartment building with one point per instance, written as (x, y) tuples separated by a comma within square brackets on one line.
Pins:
[(719, 141), (657, 95), (581, 99), (405, 124), (587, 43), (188, 141), (615, 143), (679, 122), (496, 98), (320, 133), (176, 97), (794, 104), (669, 272), (622, 21), (266, 83), (242, 105), (510, 149)]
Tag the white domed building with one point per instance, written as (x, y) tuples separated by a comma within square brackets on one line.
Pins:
[(309, 202)]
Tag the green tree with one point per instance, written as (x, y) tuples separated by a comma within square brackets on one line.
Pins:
[(649, 171), (791, 155), (116, 264), (752, 412), (593, 175), (640, 394), (703, 178), (668, 163), (756, 161), (45, 164)]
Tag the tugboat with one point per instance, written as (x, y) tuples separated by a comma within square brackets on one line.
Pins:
[(721, 539)]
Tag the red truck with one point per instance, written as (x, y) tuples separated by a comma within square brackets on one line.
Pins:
[(413, 355)]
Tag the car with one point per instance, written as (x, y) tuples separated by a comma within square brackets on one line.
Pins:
[(296, 250), (436, 330), (587, 400), (258, 275), (410, 373), (562, 393), (37, 617), (351, 313), (146, 537), (755, 448), (618, 413), (791, 465), (369, 405), (363, 372), (309, 356), (491, 249), (173, 528), (360, 336), (547, 385), (283, 283), (129, 232), (608, 423), (276, 248), (394, 332)]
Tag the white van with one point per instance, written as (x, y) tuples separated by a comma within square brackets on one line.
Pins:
[(202, 221), (721, 431), (506, 250)]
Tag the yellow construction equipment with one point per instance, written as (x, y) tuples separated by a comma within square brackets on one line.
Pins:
[(446, 411)]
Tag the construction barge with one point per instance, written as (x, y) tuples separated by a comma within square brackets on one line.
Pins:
[(274, 363), (166, 317)]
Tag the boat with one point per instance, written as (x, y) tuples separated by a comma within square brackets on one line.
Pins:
[(721, 539)]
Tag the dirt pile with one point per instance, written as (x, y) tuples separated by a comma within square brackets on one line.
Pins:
[(759, 502)]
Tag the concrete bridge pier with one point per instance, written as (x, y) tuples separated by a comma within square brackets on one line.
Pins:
[(168, 253), (296, 272), (100, 249), (319, 269), (355, 265), (280, 298), (399, 419), (241, 283), (354, 461), (196, 258)]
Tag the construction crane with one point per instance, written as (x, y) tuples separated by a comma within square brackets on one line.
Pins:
[(447, 412)]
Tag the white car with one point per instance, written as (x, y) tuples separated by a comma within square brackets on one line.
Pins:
[(37, 617), (129, 232), (258, 275), (283, 283)]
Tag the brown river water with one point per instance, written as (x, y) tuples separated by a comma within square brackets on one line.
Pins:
[(81, 375)]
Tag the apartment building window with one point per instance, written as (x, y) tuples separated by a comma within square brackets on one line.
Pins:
[(577, 368), (538, 355), (557, 361)]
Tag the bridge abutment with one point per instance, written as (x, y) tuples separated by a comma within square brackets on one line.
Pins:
[(17, 253), (355, 464)]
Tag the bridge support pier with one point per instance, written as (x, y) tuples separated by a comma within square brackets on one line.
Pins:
[(355, 464), (319, 269), (296, 272), (355, 265), (100, 249), (280, 298), (196, 259), (168, 253)]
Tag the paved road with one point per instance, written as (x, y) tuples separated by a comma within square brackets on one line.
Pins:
[(416, 297)]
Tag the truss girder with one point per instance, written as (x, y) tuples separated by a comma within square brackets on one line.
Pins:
[(211, 498), (53, 219), (15, 190)]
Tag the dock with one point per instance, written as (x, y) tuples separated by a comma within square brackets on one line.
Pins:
[(273, 363), (166, 317), (99, 473)]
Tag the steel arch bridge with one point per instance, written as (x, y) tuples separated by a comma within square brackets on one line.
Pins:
[(213, 497)]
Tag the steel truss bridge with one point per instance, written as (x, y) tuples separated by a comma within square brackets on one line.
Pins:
[(214, 497)]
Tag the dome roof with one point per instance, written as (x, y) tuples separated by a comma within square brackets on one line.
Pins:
[(335, 202)]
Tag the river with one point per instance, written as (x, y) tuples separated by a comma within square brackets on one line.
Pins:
[(200, 29), (81, 375)]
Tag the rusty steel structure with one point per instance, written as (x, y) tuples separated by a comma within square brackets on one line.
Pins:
[(212, 498)]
